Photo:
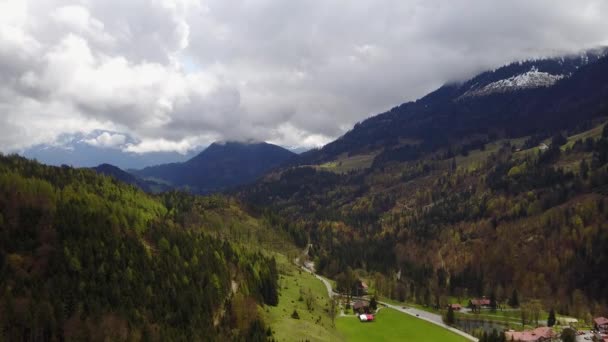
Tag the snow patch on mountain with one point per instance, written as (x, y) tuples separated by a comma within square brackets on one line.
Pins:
[(527, 80)]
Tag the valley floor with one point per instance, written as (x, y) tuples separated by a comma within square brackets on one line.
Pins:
[(392, 325)]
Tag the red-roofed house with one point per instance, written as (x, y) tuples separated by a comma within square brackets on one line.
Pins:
[(479, 303), (601, 324), (455, 307), (361, 288), (361, 307), (538, 334)]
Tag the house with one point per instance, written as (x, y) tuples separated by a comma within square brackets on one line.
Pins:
[(366, 318), (455, 307), (479, 303), (360, 288), (543, 147), (536, 335), (361, 307), (601, 324)]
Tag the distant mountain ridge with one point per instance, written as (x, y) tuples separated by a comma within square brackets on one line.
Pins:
[(126, 177), (221, 166), (79, 150)]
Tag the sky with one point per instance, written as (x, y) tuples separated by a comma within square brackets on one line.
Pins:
[(177, 74)]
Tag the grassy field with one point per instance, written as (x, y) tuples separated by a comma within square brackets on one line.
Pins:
[(476, 157), (345, 163), (594, 133), (391, 325), (314, 325)]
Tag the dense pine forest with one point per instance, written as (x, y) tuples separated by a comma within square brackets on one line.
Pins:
[(484, 217), (85, 257)]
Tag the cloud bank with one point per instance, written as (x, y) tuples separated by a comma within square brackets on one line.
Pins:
[(175, 74)]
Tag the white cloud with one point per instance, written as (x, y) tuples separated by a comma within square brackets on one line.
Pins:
[(179, 73), (107, 139)]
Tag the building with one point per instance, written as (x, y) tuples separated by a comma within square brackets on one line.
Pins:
[(455, 307), (361, 288), (361, 307), (366, 318), (536, 335), (601, 324), (479, 303)]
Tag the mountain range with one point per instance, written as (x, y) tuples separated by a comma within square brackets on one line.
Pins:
[(495, 187), (532, 97)]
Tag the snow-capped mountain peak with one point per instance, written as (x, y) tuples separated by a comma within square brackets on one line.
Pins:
[(529, 79)]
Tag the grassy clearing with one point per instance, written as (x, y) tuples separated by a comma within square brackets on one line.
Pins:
[(594, 133), (391, 325), (476, 157), (314, 325), (345, 163), (234, 224)]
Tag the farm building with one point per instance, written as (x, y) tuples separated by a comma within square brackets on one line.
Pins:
[(479, 303), (361, 307), (536, 335), (601, 324), (455, 307)]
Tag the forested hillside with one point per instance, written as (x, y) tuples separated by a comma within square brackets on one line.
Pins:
[(488, 219), (85, 257)]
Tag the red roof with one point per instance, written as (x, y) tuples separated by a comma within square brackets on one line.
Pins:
[(455, 306), (601, 320), (480, 302), (360, 304), (530, 335)]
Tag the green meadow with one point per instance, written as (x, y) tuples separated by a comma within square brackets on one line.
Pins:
[(391, 325), (314, 324)]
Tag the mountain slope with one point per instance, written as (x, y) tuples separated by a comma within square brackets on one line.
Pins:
[(488, 194), (539, 96), (220, 166)]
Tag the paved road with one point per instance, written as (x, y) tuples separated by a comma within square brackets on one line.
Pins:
[(421, 314), (330, 291), (429, 317)]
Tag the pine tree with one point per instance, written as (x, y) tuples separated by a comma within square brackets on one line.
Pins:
[(373, 303), (514, 300), (449, 317), (584, 169), (551, 320), (493, 303)]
